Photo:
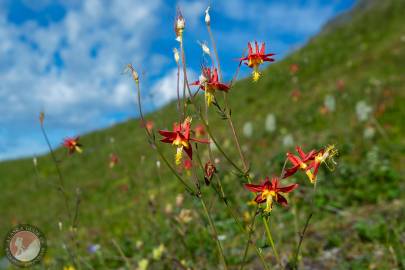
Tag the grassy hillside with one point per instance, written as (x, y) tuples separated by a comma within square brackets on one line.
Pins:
[(358, 58)]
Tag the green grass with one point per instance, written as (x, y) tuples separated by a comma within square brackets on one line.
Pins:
[(359, 222)]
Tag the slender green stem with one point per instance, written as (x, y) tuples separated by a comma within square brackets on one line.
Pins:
[(259, 253), (229, 118), (122, 255), (270, 238), (203, 118), (61, 186), (215, 233), (151, 136), (302, 234)]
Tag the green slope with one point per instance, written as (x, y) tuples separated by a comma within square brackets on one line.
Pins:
[(365, 49)]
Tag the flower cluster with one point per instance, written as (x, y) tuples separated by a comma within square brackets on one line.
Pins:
[(309, 162)]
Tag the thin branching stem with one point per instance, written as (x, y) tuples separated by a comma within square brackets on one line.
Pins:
[(245, 174), (151, 136), (270, 238), (302, 234), (229, 118), (215, 233)]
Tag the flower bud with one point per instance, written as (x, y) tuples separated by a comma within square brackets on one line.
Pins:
[(179, 26), (207, 16), (41, 117), (205, 48), (176, 55)]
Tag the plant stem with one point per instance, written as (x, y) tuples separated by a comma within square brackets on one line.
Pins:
[(302, 234), (259, 253), (215, 233), (122, 255), (61, 186), (229, 119), (151, 136), (270, 238), (203, 118)]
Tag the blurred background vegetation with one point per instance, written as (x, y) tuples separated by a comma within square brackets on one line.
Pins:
[(345, 87)]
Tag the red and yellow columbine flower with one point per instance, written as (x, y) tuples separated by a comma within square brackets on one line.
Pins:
[(325, 156), (270, 191), (256, 58), (310, 162), (73, 145), (113, 160), (180, 137), (208, 82), (300, 163)]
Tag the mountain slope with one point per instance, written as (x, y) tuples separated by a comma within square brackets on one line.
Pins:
[(360, 59)]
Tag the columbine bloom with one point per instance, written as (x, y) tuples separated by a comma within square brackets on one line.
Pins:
[(113, 160), (180, 137), (324, 156), (311, 161), (73, 145), (208, 82), (270, 191), (300, 163), (256, 58)]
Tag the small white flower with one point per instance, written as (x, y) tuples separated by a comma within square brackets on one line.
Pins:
[(288, 140), (207, 16), (248, 129), (221, 237), (369, 133), (330, 103), (270, 124), (158, 163), (60, 225), (35, 161), (363, 110)]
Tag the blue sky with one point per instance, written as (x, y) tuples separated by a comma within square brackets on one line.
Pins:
[(66, 57)]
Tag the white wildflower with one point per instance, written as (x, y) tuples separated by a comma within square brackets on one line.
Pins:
[(270, 124)]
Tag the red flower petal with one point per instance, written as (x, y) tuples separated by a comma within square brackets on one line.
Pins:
[(254, 188), (288, 189)]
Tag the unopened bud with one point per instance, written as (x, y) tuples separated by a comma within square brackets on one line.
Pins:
[(207, 16), (176, 55), (60, 225), (41, 117), (35, 161), (204, 47), (179, 27)]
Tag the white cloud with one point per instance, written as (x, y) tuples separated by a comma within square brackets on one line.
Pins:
[(165, 89)]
